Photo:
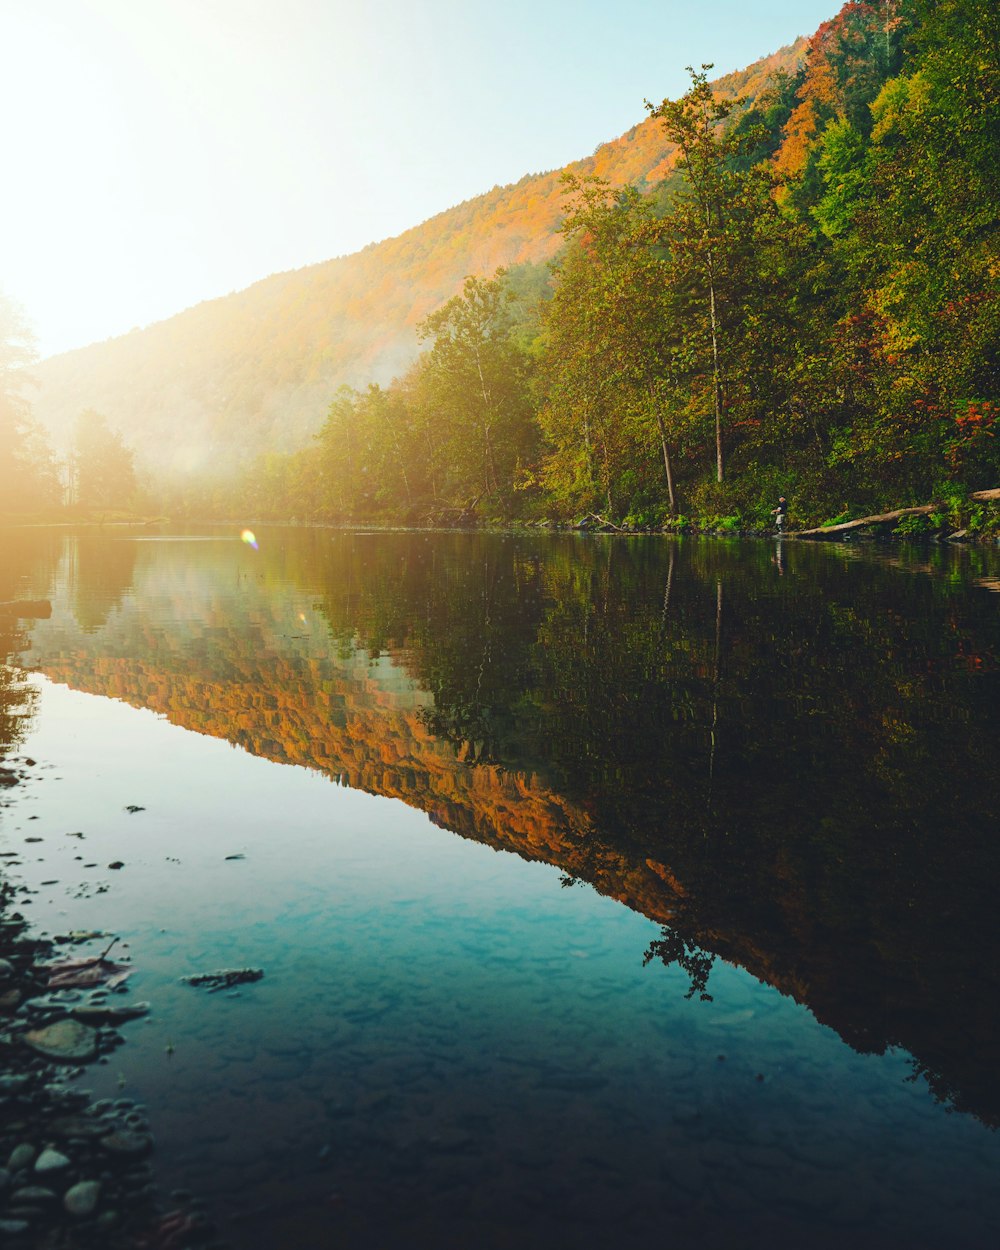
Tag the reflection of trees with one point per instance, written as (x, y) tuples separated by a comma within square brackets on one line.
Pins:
[(816, 769), (26, 570), (794, 773), (100, 575), (671, 948), (17, 698)]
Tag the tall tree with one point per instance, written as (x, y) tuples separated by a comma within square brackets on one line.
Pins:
[(28, 476), (610, 348), (103, 470), (728, 250), (476, 383), (693, 123)]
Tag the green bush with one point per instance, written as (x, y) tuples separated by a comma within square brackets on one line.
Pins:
[(914, 526)]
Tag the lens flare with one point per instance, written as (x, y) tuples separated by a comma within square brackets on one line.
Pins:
[(249, 538)]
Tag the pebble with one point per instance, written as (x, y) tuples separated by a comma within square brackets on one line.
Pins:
[(30, 1194), (12, 1228), (21, 1156), (6, 969), (51, 1161), (66, 1041), (124, 1142), (81, 1199)]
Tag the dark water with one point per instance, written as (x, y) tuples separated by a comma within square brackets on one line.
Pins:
[(605, 890)]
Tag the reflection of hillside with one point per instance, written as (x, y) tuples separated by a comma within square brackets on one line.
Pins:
[(805, 785), (347, 726)]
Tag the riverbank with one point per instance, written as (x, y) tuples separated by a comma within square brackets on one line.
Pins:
[(81, 518)]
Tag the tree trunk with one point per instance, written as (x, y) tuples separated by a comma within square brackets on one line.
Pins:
[(716, 383), (663, 446)]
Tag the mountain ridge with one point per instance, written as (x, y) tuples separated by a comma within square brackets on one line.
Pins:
[(255, 370)]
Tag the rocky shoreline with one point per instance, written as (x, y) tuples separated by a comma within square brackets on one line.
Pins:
[(75, 1171)]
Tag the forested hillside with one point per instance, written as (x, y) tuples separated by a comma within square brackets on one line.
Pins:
[(785, 283), (256, 370), (808, 307)]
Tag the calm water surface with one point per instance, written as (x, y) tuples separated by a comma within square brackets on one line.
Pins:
[(605, 890)]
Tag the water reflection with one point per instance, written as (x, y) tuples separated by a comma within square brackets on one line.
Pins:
[(784, 755), (27, 568)]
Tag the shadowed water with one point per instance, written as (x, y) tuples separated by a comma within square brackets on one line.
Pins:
[(604, 889)]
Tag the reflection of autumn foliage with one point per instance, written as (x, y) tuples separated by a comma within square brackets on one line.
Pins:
[(17, 698), (804, 785)]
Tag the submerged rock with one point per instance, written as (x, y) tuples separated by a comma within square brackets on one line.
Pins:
[(81, 1199), (66, 1041), (51, 1161), (125, 1142), (33, 1195), (224, 978), (114, 1012), (22, 1156)]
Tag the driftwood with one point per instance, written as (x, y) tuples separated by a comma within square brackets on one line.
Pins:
[(821, 531), (595, 521)]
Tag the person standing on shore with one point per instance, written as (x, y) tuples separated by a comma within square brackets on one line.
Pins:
[(779, 514)]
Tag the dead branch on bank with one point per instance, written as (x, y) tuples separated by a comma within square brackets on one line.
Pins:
[(883, 518)]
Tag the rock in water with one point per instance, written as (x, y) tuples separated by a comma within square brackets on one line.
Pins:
[(125, 1142), (81, 1199), (21, 1156), (51, 1161), (66, 1041)]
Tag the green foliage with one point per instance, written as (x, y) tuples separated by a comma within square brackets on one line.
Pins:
[(474, 385), (806, 305), (609, 416), (915, 526)]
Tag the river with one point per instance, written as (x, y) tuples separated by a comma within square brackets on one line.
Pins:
[(603, 888)]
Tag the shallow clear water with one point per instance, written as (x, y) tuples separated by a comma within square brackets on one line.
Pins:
[(603, 890)]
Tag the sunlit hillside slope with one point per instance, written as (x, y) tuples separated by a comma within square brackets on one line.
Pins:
[(256, 370)]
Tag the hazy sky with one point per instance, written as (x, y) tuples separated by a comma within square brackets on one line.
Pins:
[(160, 152)]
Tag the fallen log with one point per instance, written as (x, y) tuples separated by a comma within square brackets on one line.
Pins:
[(821, 531)]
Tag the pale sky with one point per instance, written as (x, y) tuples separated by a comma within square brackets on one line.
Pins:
[(157, 153)]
